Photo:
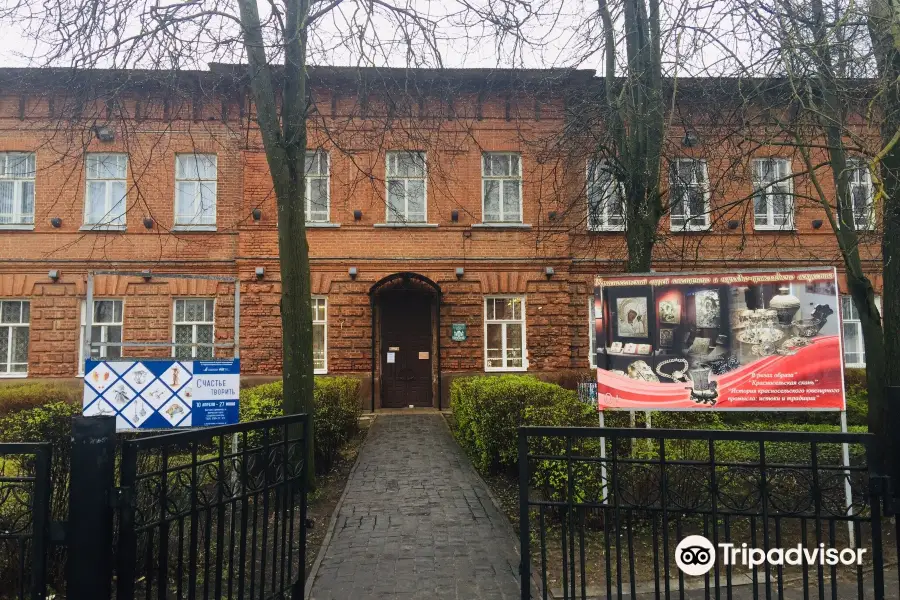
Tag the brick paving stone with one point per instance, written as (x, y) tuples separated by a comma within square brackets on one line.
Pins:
[(417, 523)]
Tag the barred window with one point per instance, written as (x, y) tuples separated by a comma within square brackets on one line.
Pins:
[(106, 328), (193, 328)]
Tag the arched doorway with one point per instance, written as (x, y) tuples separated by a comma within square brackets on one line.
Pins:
[(405, 348)]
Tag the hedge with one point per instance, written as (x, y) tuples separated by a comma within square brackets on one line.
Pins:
[(23, 395)]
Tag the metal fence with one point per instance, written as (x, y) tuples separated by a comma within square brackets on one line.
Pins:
[(24, 516), (604, 512)]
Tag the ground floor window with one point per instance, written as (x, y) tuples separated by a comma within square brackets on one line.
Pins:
[(854, 349), (320, 334), (106, 327), (14, 331), (592, 334), (193, 327), (504, 339)]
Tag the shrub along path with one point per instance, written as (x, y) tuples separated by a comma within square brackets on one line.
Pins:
[(416, 522)]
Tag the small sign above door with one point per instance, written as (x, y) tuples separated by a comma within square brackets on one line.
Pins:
[(423, 355), (458, 332), (391, 357), (394, 349)]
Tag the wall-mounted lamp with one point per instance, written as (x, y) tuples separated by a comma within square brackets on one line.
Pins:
[(53, 274), (260, 272), (552, 215), (454, 216), (460, 272), (690, 139), (817, 223), (352, 272), (148, 223), (357, 215), (549, 272), (56, 222), (257, 214), (105, 133), (733, 224), (147, 274)]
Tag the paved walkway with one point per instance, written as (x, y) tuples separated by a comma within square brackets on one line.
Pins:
[(417, 523)]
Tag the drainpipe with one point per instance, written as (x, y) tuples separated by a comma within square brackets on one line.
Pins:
[(372, 308), (440, 387)]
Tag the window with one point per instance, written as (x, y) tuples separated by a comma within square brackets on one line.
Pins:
[(104, 200), (317, 187), (689, 195), (854, 349), (106, 327), (504, 339), (502, 187), (592, 333), (14, 317), (193, 328), (16, 188), (195, 190), (406, 187), (606, 198), (320, 334), (773, 201), (861, 194)]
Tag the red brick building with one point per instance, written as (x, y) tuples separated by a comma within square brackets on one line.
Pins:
[(449, 231)]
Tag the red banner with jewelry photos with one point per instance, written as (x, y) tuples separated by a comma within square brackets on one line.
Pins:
[(742, 340)]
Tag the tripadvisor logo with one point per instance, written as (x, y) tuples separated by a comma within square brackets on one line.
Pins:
[(695, 555)]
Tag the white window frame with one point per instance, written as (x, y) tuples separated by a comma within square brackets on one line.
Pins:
[(608, 195), (194, 325), (319, 176), (783, 179), (394, 218), (195, 222), (108, 219), (104, 331), (18, 219), (501, 180), (324, 324), (692, 222), (851, 318), (857, 166), (10, 328), (592, 334), (504, 323)]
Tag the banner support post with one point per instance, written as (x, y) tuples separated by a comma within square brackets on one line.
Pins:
[(848, 492), (602, 457)]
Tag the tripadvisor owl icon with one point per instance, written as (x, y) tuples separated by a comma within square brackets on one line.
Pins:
[(695, 555)]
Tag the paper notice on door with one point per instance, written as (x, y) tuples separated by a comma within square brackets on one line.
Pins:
[(423, 356), (391, 357)]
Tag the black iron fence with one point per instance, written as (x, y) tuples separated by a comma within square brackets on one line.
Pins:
[(605, 513), (24, 516)]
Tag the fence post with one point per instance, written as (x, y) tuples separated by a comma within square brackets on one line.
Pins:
[(90, 524), (524, 526)]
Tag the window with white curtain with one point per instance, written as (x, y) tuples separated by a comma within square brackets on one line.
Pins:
[(688, 195), (773, 195), (195, 190), (854, 349), (106, 327), (14, 331), (320, 334), (193, 328), (16, 189), (606, 198), (406, 187), (504, 338), (501, 187), (104, 200), (862, 194), (317, 199)]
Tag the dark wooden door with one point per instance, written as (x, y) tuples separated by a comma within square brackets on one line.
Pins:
[(405, 349)]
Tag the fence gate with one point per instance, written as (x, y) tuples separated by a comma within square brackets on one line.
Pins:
[(214, 513), (613, 513)]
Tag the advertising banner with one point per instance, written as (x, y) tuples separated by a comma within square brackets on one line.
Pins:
[(163, 394), (753, 340)]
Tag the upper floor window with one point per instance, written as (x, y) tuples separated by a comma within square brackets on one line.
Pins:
[(104, 201), (317, 187), (320, 334), (193, 327), (502, 187), (773, 196), (14, 331), (606, 198), (504, 338), (106, 328), (16, 188), (195, 190), (688, 195), (861, 194), (406, 181)]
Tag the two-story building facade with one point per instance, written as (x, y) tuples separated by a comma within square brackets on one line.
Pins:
[(450, 230)]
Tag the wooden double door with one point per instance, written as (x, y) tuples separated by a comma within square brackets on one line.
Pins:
[(406, 348)]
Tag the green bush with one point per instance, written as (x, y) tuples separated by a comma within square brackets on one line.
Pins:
[(23, 395), (336, 417)]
